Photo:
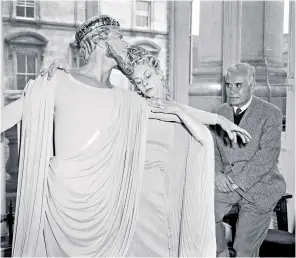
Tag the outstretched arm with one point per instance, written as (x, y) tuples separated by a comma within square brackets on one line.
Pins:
[(11, 114), (170, 107), (204, 117), (214, 119), (165, 117), (194, 126)]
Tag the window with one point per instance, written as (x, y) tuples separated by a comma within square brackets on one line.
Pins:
[(143, 14), (25, 9), (76, 59), (26, 69), (25, 52)]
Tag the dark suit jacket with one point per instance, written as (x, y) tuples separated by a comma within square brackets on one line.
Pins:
[(253, 166)]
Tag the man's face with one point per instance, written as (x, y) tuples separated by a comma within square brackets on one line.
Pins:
[(238, 90), (117, 42)]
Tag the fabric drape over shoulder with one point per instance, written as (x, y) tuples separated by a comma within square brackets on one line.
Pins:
[(85, 205), (197, 234)]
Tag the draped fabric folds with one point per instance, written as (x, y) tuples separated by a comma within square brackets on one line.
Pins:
[(176, 209), (35, 154), (85, 205), (198, 236)]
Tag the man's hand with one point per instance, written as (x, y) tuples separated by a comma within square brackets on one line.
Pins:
[(224, 183), (57, 64), (233, 185)]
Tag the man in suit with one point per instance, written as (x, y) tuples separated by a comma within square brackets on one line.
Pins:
[(247, 174)]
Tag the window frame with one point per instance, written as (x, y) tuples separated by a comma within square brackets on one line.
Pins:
[(74, 54), (25, 53), (150, 12), (25, 5), (26, 43)]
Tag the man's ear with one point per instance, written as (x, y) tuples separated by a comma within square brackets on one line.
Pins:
[(253, 84)]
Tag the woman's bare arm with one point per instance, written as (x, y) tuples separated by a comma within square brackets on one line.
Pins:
[(165, 117), (204, 117), (189, 116), (194, 126), (11, 114)]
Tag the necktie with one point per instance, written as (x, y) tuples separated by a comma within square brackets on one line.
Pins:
[(238, 111)]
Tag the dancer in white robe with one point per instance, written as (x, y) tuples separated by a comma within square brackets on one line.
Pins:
[(176, 210)]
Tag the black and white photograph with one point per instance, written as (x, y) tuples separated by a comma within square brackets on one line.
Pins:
[(147, 128)]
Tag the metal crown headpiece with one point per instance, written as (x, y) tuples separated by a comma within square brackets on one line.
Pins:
[(92, 24)]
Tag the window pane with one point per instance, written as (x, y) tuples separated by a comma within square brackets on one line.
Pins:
[(21, 82), (30, 77), (81, 61), (144, 21), (143, 6), (21, 2), (30, 12), (30, 3), (31, 64), (74, 62), (20, 11), (138, 21), (21, 63)]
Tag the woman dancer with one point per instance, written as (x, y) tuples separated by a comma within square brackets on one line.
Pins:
[(176, 212)]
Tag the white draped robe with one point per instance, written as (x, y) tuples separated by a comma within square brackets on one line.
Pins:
[(87, 204)]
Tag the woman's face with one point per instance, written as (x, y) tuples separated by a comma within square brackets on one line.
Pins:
[(147, 81)]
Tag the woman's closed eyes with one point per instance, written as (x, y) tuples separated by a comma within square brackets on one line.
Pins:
[(147, 74), (138, 81)]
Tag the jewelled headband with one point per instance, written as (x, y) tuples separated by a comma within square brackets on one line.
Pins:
[(93, 24), (136, 53)]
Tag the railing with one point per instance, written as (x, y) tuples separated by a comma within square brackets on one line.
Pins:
[(12, 94), (9, 219)]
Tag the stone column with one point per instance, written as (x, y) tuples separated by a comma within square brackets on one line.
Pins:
[(262, 46), (179, 49), (289, 159), (2, 143), (206, 88), (232, 22)]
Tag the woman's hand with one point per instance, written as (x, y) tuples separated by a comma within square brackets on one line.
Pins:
[(233, 130), (164, 106), (57, 64), (169, 108)]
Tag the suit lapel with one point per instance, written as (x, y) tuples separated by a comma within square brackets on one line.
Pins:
[(228, 112), (251, 109)]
